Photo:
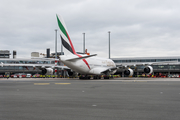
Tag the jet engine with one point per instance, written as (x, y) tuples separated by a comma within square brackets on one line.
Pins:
[(148, 70), (47, 71), (129, 72), (71, 73)]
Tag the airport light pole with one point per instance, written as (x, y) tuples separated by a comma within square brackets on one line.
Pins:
[(109, 45), (61, 45), (56, 43), (83, 42)]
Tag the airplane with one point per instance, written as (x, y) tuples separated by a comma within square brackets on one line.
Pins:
[(87, 65)]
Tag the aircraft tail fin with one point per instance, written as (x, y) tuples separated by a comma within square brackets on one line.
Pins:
[(66, 41)]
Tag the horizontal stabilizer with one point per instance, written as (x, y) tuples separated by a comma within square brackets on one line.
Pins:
[(78, 58)]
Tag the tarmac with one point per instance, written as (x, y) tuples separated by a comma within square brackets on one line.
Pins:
[(66, 98)]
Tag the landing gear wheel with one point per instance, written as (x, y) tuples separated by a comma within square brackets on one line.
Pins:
[(106, 77), (94, 77), (85, 77)]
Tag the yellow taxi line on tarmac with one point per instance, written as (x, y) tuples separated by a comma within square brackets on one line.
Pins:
[(41, 83), (141, 81), (49, 83), (62, 83), (127, 81), (135, 81)]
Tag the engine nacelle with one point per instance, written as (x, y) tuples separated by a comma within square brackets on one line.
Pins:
[(71, 73), (129, 72), (148, 70), (47, 71)]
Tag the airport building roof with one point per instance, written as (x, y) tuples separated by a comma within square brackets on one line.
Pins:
[(164, 57), (146, 59)]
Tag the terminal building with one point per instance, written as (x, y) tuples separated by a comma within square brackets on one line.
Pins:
[(169, 68), (28, 69), (35, 59), (4, 54)]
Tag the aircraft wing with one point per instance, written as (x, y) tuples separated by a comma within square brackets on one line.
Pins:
[(147, 63), (110, 70)]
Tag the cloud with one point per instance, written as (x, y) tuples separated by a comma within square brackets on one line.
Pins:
[(138, 28)]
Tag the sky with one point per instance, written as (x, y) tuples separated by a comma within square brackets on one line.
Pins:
[(139, 28)]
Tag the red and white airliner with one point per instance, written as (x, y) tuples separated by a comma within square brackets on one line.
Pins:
[(81, 63), (93, 65)]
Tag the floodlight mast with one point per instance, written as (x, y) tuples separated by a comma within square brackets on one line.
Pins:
[(56, 43), (109, 46), (83, 42)]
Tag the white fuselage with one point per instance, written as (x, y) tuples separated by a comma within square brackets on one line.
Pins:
[(90, 66)]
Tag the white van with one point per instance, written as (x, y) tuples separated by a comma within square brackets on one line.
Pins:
[(28, 75)]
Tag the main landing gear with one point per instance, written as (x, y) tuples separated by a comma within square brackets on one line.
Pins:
[(89, 77), (95, 77), (84, 77), (106, 77)]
